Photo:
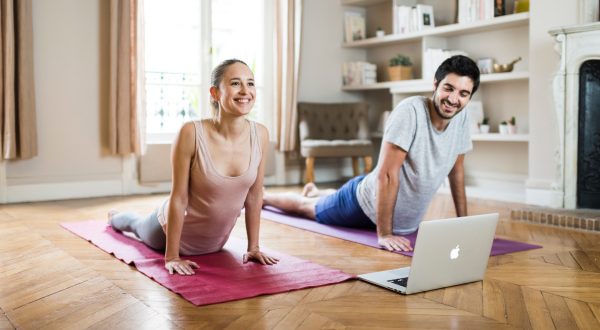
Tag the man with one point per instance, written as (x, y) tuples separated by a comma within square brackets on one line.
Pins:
[(424, 142)]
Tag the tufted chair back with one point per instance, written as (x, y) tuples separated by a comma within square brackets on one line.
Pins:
[(334, 130), (333, 121)]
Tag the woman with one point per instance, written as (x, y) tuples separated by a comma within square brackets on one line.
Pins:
[(218, 168)]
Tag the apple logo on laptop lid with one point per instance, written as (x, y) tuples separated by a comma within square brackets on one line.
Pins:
[(454, 253)]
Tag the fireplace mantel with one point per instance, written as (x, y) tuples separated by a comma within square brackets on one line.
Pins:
[(575, 45)]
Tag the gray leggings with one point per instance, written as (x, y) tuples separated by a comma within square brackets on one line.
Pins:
[(146, 229)]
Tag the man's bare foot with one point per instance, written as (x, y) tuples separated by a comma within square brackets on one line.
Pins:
[(111, 214), (310, 190), (266, 197)]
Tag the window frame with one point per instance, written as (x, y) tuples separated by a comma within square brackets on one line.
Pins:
[(266, 95)]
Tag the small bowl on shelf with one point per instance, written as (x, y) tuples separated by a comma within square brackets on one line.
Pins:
[(506, 67)]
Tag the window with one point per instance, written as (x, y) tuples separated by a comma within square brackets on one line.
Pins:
[(184, 40)]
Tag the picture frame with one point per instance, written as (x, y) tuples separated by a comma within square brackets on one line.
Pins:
[(425, 18), (354, 26), (486, 65), (499, 8)]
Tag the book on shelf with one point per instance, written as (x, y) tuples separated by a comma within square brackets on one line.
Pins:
[(475, 114), (358, 73), (354, 26), (411, 18), (475, 10), (402, 19)]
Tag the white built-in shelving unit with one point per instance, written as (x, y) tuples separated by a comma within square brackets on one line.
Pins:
[(496, 158)]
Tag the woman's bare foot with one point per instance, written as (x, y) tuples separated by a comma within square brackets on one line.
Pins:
[(111, 214), (310, 190)]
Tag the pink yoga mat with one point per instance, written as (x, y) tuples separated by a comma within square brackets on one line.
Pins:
[(369, 237), (221, 277)]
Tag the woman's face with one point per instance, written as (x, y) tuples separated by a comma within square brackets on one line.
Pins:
[(236, 93)]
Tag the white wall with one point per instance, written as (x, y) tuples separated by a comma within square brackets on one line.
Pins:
[(70, 66), (67, 63), (321, 55), (69, 60)]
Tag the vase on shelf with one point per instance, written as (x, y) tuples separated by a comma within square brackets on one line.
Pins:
[(503, 128), (400, 68), (512, 125), (400, 72)]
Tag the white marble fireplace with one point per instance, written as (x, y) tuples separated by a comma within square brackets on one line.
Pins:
[(575, 45)]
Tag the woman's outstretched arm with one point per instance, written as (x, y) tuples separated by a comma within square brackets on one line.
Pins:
[(253, 206), (181, 159)]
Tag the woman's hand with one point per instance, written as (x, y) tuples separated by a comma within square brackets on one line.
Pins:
[(182, 267), (259, 257), (394, 243)]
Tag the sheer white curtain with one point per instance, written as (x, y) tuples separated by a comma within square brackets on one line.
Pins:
[(287, 53), (126, 107), (18, 138)]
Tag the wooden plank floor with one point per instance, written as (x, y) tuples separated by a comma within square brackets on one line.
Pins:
[(49, 278)]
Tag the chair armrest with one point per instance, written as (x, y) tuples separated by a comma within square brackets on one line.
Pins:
[(303, 129), (363, 129)]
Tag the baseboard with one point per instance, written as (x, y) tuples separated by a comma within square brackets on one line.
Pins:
[(493, 186), (62, 190), (545, 197), (79, 189), (514, 195), (3, 194)]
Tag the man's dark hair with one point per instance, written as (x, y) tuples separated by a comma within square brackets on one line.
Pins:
[(460, 65)]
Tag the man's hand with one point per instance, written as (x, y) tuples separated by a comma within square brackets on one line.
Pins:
[(182, 267), (259, 257), (394, 243)]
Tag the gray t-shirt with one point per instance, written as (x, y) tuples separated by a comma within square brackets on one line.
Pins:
[(431, 154)]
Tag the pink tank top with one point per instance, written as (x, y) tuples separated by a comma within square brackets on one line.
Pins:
[(214, 200)]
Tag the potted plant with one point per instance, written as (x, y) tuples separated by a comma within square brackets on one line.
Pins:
[(512, 125), (484, 127), (400, 68), (503, 127), (379, 32)]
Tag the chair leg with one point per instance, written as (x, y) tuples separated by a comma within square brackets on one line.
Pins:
[(309, 176), (368, 164), (355, 168)]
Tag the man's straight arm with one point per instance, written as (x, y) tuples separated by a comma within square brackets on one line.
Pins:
[(392, 157), (457, 186)]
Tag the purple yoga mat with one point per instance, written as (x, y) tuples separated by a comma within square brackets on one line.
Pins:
[(221, 277), (369, 237)]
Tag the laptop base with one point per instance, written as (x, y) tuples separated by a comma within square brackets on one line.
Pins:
[(388, 279)]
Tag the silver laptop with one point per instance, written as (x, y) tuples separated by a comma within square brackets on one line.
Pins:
[(447, 252)]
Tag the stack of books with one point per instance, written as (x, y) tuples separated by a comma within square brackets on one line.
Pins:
[(359, 73)]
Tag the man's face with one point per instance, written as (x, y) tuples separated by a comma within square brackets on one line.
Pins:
[(451, 95)]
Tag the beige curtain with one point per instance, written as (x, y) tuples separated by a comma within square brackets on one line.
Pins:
[(18, 136), (287, 54), (126, 119)]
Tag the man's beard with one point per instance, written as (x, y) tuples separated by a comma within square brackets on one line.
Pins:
[(441, 113)]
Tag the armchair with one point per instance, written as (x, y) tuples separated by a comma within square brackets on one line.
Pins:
[(334, 130)]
